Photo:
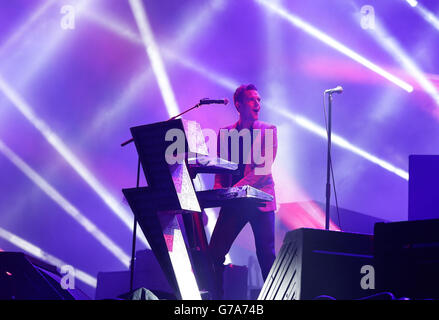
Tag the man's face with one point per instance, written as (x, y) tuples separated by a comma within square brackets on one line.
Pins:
[(250, 105)]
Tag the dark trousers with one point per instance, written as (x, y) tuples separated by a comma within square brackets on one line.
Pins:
[(231, 221)]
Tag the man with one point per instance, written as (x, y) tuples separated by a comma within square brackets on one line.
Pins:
[(233, 218)]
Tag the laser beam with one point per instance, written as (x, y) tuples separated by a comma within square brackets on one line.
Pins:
[(333, 43), (154, 56), (321, 131), (342, 142)]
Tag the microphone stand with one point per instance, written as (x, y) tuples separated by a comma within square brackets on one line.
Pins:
[(328, 163)]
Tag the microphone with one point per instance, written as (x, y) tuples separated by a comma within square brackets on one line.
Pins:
[(213, 101), (337, 89)]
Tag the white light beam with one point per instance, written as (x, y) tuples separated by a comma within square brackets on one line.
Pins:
[(68, 155), (314, 32)]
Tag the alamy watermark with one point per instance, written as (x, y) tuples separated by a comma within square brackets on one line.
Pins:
[(258, 148), (68, 19), (368, 280), (68, 278)]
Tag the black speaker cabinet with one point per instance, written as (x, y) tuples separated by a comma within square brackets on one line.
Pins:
[(423, 187), (407, 258), (313, 263), (26, 278)]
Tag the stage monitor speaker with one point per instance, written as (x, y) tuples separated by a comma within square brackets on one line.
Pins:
[(423, 187), (407, 258), (313, 263), (26, 278), (235, 282)]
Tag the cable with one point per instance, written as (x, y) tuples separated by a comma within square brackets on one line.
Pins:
[(330, 163)]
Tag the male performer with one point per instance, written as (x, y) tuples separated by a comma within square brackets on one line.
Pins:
[(233, 218)]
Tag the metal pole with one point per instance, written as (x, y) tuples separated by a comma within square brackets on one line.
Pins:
[(328, 164)]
